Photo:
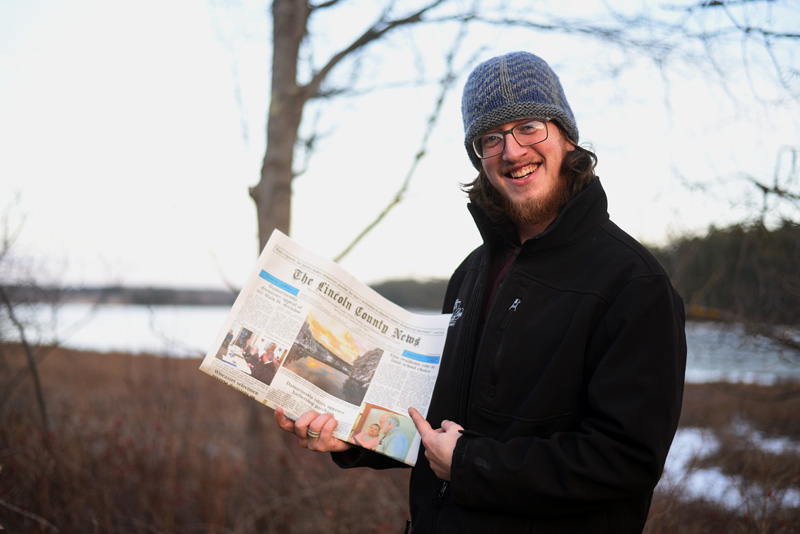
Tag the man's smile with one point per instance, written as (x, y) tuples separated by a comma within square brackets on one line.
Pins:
[(523, 172)]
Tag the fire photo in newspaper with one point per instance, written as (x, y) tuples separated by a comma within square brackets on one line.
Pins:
[(333, 358)]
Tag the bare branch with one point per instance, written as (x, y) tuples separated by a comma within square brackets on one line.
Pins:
[(749, 29), (29, 355), (324, 5), (43, 523), (446, 83), (375, 32), (773, 190)]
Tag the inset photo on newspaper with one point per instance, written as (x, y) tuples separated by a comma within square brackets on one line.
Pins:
[(383, 431), (333, 358), (251, 354)]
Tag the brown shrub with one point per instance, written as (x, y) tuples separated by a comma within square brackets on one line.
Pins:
[(148, 444), (771, 409)]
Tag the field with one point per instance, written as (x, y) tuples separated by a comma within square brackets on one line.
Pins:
[(144, 444)]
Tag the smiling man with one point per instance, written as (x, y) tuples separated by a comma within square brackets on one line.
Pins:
[(526, 173), (562, 376)]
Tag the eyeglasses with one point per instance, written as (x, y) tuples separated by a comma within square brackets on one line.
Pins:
[(526, 134)]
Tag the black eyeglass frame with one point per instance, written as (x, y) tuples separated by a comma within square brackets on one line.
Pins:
[(511, 131)]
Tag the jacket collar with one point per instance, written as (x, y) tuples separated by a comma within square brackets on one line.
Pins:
[(581, 214)]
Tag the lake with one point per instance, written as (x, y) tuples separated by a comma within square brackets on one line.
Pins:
[(717, 351)]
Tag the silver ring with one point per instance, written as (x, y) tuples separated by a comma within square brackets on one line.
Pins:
[(311, 434)]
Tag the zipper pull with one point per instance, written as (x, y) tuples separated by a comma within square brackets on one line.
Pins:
[(440, 496), (511, 310)]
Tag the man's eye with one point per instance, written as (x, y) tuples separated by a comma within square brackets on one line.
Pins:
[(491, 140), (530, 127)]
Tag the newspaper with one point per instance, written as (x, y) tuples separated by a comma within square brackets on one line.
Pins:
[(304, 334)]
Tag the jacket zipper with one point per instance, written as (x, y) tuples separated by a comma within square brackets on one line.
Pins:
[(496, 360), (472, 352), (438, 504)]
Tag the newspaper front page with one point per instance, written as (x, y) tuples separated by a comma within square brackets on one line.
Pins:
[(303, 334)]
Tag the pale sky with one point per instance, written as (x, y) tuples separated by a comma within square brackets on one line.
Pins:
[(130, 133)]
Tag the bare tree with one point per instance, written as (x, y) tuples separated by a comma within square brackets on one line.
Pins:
[(289, 96)]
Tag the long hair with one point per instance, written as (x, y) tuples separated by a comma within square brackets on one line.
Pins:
[(577, 169)]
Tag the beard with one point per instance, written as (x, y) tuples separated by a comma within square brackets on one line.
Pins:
[(538, 210)]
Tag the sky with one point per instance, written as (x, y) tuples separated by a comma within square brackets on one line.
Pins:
[(131, 132)]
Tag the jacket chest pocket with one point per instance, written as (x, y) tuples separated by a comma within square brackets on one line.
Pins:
[(531, 364), (497, 356)]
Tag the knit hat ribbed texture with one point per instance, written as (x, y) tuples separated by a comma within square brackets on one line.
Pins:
[(512, 87)]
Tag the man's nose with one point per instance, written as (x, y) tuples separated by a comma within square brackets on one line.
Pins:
[(511, 148)]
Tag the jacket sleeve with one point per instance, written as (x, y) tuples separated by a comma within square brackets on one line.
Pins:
[(360, 457), (617, 447)]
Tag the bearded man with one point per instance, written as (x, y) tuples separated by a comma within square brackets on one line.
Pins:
[(561, 381)]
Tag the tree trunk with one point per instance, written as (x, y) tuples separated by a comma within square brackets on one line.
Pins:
[(273, 193)]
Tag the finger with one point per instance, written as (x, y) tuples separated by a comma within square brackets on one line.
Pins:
[(326, 442), (415, 415), (448, 426), (302, 424), (316, 440), (284, 422), (329, 427), (326, 423), (318, 424), (423, 427)]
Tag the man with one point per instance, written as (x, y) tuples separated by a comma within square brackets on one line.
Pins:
[(226, 343), (269, 355), (394, 442), (561, 381), (264, 367)]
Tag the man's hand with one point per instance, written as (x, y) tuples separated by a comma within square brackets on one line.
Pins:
[(439, 444), (320, 426)]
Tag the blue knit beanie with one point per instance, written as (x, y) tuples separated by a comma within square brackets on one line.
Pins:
[(508, 88)]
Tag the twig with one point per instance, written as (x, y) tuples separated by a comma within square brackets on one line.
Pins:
[(29, 354), (42, 521), (446, 83)]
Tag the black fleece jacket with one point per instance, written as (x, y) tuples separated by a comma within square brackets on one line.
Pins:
[(571, 393)]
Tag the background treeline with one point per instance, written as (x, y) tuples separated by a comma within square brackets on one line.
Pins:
[(748, 273), (744, 273), (144, 296)]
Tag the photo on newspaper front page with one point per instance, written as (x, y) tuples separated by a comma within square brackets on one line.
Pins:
[(303, 334)]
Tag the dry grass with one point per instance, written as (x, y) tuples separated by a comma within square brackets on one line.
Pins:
[(771, 409), (732, 412), (143, 444), (147, 444)]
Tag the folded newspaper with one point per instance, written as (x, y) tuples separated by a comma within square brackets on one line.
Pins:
[(304, 334)]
